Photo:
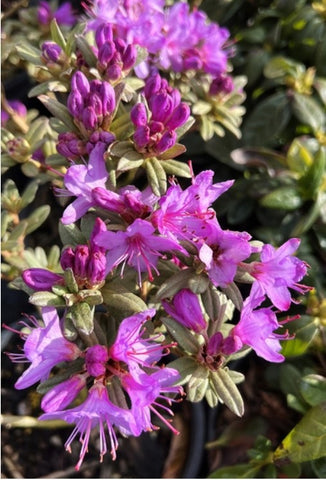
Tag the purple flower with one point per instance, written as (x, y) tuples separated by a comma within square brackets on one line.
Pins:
[(185, 308), (96, 411), (256, 329), (222, 252), (80, 181), (64, 14), (278, 271), (71, 146), (145, 391), (44, 348), (130, 347), (187, 214), (61, 395), (139, 247), (40, 279)]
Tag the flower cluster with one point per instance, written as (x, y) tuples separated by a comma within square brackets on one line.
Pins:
[(156, 133), (147, 267)]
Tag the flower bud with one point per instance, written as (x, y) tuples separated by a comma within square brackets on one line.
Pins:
[(75, 103), (44, 14), (179, 116), (103, 34), (95, 360), (161, 107), (89, 118), (153, 85), (167, 141), (67, 259), (106, 52), (107, 95), (81, 261), (129, 57), (141, 136), (96, 268), (40, 279), (80, 83), (51, 52), (19, 149), (138, 115), (113, 71)]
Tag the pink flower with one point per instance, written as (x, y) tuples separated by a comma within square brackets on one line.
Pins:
[(44, 347), (186, 310), (63, 394), (187, 214), (256, 329), (145, 391), (80, 181), (96, 411), (139, 247), (130, 347), (222, 252), (278, 271)]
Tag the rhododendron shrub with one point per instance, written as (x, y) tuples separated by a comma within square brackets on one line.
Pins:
[(149, 293)]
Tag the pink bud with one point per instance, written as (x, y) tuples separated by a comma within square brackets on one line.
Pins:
[(138, 115), (167, 141), (40, 279)]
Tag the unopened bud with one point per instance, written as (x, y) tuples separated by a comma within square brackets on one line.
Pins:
[(167, 141), (106, 52), (103, 34), (19, 149), (89, 118), (138, 115), (51, 52), (179, 116), (80, 83)]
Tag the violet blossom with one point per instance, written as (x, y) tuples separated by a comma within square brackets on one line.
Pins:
[(64, 14), (96, 410), (256, 329), (44, 348), (139, 247), (277, 272), (62, 394), (80, 181)]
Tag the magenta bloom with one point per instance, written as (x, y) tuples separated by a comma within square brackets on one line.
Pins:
[(222, 253), (80, 181), (278, 271), (96, 411), (130, 347), (185, 308), (44, 347), (139, 247), (40, 279), (95, 360), (256, 329), (61, 395), (145, 391), (187, 214)]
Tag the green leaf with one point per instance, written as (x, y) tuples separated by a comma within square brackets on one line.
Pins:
[(82, 316), (29, 53), (86, 50), (286, 197), (198, 384), (206, 128), (304, 329), (308, 111), (156, 176), (46, 299), (172, 152), (185, 366), (59, 110), (29, 193), (319, 467), (310, 182), (313, 389), (267, 121), (71, 235), (227, 391), (36, 219), (174, 167), (57, 35), (122, 301), (183, 336), (242, 470), (307, 440), (177, 282), (290, 379)]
